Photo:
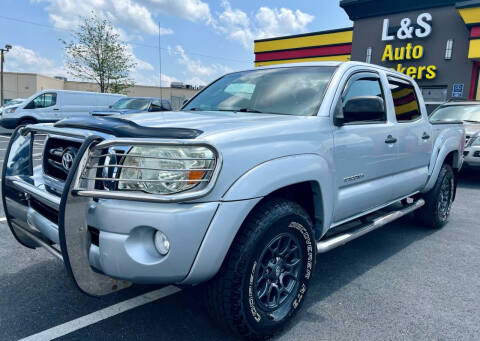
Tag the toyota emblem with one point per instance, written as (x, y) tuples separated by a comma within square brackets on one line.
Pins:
[(67, 160)]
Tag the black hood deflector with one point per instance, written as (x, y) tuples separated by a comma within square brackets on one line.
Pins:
[(124, 128)]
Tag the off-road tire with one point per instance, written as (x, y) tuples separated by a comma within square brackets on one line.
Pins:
[(232, 297), (434, 214)]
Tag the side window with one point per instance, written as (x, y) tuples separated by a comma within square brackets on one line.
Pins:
[(50, 99), (405, 101), (363, 102), (42, 101), (156, 106)]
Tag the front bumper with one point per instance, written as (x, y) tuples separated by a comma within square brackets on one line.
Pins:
[(472, 156), (124, 247), (9, 122)]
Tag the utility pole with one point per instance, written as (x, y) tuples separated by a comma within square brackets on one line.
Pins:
[(160, 62), (6, 49)]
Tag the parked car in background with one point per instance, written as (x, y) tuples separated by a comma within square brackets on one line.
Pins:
[(54, 105), (260, 172), (133, 105), (469, 114), (12, 102)]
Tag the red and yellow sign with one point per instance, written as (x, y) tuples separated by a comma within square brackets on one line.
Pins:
[(318, 46)]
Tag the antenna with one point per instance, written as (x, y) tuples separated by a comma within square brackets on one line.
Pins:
[(160, 62)]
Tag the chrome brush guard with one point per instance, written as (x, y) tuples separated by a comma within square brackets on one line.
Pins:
[(30, 207)]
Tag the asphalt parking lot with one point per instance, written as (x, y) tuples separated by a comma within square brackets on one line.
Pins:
[(400, 282)]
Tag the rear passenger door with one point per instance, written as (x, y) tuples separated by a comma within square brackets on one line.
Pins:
[(413, 133), (365, 153)]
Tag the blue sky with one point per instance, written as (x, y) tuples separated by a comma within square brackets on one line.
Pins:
[(201, 39)]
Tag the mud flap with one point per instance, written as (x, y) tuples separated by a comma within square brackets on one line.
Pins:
[(75, 238)]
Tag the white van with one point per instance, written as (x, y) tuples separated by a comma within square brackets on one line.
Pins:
[(54, 105)]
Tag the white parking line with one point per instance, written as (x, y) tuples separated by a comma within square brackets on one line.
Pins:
[(102, 314), (3, 219)]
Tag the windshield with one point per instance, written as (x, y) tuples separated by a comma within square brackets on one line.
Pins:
[(468, 113), (13, 102), (132, 103), (287, 91)]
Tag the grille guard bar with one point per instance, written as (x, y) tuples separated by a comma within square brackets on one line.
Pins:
[(18, 186)]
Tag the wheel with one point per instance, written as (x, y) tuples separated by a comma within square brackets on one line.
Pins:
[(438, 201), (267, 272)]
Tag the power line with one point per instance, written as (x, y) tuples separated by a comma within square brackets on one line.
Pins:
[(131, 43)]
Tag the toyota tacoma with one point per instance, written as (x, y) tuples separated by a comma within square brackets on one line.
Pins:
[(242, 189)]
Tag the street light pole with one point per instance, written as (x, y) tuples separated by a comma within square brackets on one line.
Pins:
[(6, 49)]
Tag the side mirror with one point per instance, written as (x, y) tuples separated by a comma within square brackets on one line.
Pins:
[(361, 108)]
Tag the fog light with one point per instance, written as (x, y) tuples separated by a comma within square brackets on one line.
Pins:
[(161, 243)]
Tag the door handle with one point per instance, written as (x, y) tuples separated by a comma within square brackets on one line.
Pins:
[(425, 136), (56, 109), (390, 139)]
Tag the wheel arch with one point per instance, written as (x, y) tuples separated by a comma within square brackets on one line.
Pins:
[(27, 118), (301, 174), (303, 178), (447, 155)]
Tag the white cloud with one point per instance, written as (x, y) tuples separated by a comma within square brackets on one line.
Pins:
[(197, 72), (128, 14), (135, 15), (21, 59), (193, 10), (267, 22)]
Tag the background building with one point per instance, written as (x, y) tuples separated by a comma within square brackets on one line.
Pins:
[(23, 85), (436, 42)]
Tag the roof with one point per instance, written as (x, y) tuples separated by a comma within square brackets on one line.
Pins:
[(78, 92), (141, 97), (359, 9), (453, 103)]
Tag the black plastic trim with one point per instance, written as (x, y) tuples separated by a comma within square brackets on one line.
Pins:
[(445, 122), (120, 127)]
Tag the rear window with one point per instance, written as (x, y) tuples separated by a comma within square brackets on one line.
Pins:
[(405, 101)]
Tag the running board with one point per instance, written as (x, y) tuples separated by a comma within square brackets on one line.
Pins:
[(338, 240)]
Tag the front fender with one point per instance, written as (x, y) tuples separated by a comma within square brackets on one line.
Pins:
[(272, 175), (245, 193)]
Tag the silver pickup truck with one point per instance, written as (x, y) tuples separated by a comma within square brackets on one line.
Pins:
[(241, 189)]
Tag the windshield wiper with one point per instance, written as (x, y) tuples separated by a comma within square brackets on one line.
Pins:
[(471, 121), (255, 111)]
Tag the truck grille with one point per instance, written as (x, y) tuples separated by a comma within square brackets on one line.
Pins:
[(58, 158)]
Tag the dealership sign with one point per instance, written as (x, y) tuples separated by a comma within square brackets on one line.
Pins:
[(408, 30)]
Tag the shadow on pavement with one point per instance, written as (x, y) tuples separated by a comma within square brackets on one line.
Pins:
[(341, 266), (469, 178)]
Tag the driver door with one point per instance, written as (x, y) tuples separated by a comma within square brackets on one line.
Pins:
[(365, 152)]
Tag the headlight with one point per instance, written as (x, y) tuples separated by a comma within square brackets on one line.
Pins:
[(165, 169), (9, 110), (475, 141)]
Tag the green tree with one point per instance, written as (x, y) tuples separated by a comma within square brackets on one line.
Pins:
[(97, 54)]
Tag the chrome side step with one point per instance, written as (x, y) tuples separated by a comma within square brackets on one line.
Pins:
[(338, 240)]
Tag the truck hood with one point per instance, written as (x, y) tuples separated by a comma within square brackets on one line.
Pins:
[(109, 112), (471, 128), (216, 124)]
